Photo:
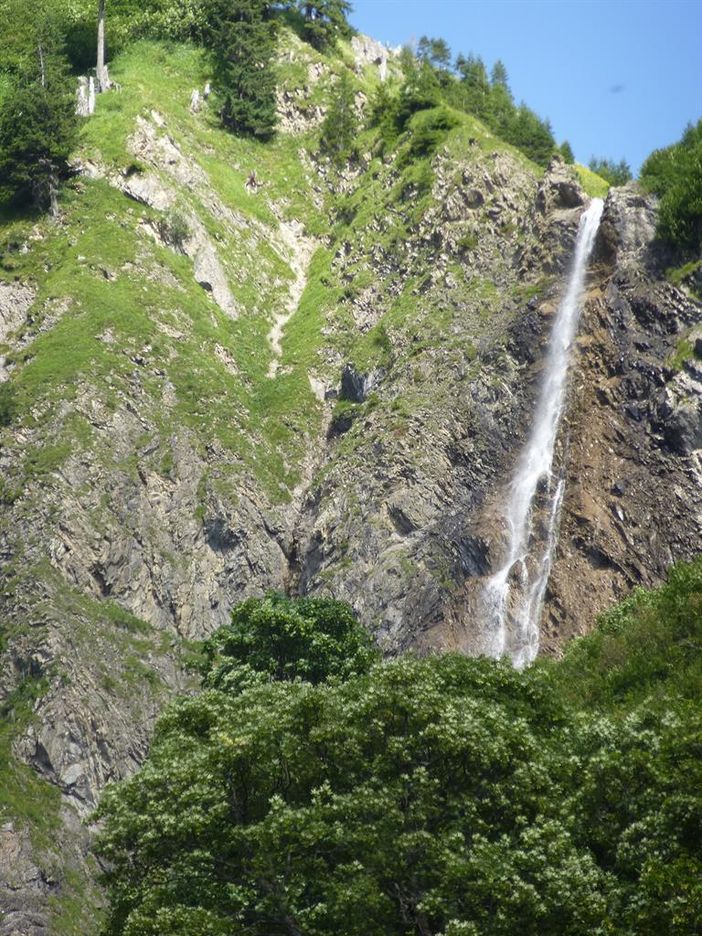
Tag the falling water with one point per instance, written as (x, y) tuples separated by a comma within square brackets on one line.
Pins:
[(514, 595)]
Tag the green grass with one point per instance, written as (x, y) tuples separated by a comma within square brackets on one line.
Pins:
[(24, 796), (593, 185), (678, 275), (77, 909), (684, 351), (115, 281)]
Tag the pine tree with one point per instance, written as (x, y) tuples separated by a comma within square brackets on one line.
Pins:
[(38, 124), (241, 35), (498, 75), (566, 151), (532, 135), (435, 51), (324, 21), (340, 124), (614, 173), (475, 84)]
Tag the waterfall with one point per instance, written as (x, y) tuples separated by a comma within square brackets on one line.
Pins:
[(513, 596)]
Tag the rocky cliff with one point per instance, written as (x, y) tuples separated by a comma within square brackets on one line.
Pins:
[(315, 382)]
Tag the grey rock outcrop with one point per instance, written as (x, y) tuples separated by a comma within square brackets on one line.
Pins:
[(141, 531)]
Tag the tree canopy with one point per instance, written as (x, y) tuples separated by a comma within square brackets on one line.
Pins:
[(675, 173), (324, 21), (616, 173), (438, 796), (38, 126), (241, 36)]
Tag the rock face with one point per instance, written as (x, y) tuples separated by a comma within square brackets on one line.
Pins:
[(633, 503), (331, 414)]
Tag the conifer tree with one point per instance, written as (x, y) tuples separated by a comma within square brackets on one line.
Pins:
[(498, 75), (241, 35), (38, 124), (612, 172), (475, 84), (324, 20), (340, 124), (435, 51), (566, 151)]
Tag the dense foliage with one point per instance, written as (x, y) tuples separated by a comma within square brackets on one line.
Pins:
[(429, 80), (241, 35), (340, 125), (38, 126), (324, 21), (675, 173), (612, 172), (439, 796), (277, 639)]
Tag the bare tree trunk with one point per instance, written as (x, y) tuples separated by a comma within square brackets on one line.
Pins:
[(45, 188), (103, 82), (42, 66), (53, 194)]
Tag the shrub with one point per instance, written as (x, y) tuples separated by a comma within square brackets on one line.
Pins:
[(8, 404)]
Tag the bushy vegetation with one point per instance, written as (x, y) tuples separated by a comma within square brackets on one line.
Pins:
[(323, 21), (614, 173), (241, 36), (340, 125), (446, 795), (276, 639), (38, 126), (429, 80), (8, 404), (675, 173)]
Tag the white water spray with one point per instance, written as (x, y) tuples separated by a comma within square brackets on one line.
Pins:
[(513, 596)]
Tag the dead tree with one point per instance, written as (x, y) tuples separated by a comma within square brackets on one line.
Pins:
[(103, 80)]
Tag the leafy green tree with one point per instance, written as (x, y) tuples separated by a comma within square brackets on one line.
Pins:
[(411, 799), (38, 125), (340, 124), (612, 172), (278, 638), (241, 36), (675, 173), (638, 809), (438, 796), (324, 21)]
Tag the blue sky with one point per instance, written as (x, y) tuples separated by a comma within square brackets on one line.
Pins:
[(617, 78)]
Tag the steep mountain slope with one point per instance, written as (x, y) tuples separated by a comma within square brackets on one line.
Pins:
[(299, 380)]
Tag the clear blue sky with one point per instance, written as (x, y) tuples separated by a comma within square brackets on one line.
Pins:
[(617, 78)]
